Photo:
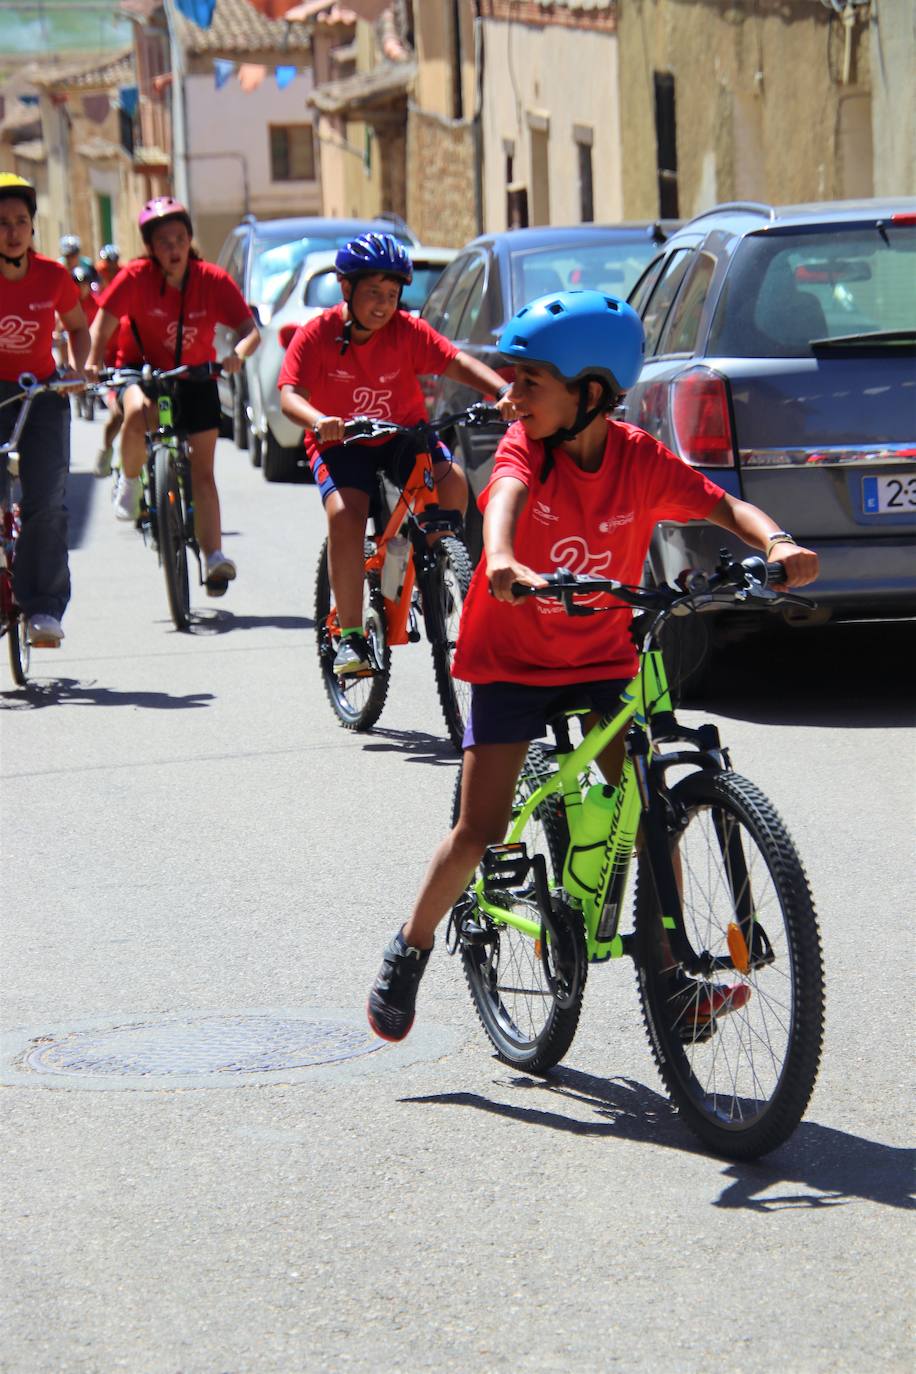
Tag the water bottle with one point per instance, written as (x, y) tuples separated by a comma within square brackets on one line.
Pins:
[(589, 834), (394, 568)]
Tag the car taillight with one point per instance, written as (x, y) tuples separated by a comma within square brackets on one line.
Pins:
[(903, 218), (700, 419)]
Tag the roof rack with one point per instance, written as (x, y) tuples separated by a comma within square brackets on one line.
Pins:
[(750, 207)]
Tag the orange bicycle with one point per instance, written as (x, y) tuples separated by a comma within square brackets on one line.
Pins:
[(416, 567)]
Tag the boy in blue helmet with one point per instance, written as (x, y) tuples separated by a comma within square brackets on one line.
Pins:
[(570, 488), (363, 357)]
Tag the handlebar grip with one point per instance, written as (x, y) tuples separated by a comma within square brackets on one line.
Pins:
[(776, 572)]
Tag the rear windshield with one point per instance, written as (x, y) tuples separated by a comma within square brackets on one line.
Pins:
[(273, 263), (784, 290), (610, 267)]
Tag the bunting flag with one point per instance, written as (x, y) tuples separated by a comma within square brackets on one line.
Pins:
[(200, 12), (128, 99), (251, 74), (222, 70), (284, 76)]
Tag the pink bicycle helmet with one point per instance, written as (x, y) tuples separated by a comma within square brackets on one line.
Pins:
[(158, 211)]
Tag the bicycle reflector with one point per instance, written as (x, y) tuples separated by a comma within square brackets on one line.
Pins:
[(700, 419)]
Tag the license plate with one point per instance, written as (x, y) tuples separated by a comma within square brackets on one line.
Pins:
[(889, 495)]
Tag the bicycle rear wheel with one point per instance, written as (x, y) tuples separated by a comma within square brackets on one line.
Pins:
[(443, 598), (741, 1081), (356, 701), (20, 651), (173, 550), (529, 1024)]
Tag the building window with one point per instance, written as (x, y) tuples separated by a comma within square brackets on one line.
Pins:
[(292, 152), (583, 137), (666, 144)]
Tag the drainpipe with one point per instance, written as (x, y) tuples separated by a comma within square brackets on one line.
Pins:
[(180, 179), (477, 121)]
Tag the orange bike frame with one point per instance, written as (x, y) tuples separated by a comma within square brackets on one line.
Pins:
[(415, 497)]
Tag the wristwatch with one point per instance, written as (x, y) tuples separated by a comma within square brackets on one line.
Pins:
[(503, 391), (779, 537)]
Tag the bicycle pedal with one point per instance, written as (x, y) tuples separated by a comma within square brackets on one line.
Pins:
[(44, 643), (505, 866), (216, 586)]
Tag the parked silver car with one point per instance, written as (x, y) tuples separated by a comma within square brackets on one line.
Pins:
[(313, 287), (259, 256)]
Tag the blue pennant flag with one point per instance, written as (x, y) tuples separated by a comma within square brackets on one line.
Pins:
[(222, 70), (128, 99), (285, 75), (199, 12)]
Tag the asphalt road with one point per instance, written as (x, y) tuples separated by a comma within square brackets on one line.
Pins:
[(189, 838)]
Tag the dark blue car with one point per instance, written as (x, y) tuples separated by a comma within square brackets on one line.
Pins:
[(494, 276), (781, 359)]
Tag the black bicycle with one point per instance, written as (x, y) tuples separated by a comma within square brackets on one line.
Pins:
[(167, 498)]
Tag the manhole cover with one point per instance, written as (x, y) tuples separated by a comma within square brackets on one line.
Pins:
[(207, 1049)]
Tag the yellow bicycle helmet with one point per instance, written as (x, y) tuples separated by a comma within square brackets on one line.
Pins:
[(13, 186)]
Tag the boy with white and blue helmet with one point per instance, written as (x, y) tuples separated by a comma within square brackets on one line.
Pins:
[(363, 357), (570, 488)]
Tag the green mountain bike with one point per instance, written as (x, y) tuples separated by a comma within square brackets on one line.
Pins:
[(725, 937)]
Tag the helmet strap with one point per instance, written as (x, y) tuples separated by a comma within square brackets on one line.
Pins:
[(584, 417), (14, 262)]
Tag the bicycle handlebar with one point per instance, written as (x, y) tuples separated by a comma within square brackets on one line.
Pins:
[(372, 427), (731, 583), (152, 376), (32, 387)]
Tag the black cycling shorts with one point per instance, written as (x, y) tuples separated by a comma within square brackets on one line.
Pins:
[(197, 406)]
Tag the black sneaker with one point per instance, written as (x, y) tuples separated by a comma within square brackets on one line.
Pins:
[(352, 657), (394, 992)]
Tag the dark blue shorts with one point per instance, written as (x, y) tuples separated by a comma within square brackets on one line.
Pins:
[(510, 712), (358, 465)]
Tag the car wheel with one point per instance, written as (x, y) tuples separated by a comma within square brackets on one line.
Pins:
[(279, 464)]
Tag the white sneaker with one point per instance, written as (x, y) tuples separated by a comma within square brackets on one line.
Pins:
[(127, 498), (45, 631), (220, 568), (102, 466)]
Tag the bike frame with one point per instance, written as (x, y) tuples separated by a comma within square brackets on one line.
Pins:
[(639, 805), (166, 436)]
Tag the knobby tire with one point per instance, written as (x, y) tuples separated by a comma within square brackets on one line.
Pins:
[(448, 586), (744, 1088), (520, 1014), (356, 702), (170, 516)]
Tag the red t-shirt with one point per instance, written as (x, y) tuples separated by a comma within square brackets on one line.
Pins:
[(90, 304), (28, 310), (590, 522), (211, 297), (378, 377), (122, 350)]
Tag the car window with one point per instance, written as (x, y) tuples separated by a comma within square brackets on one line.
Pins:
[(235, 260), (682, 326), (434, 309), (469, 286), (612, 267), (783, 290), (323, 290), (665, 291), (425, 276), (646, 285), (273, 262)]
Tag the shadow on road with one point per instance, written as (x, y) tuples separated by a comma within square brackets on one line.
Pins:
[(223, 622), (68, 691), (851, 676), (415, 744), (822, 1166)]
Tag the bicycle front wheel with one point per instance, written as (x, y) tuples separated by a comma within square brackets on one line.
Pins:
[(531, 1025), (173, 549), (443, 598), (356, 701), (742, 1078), (20, 651)]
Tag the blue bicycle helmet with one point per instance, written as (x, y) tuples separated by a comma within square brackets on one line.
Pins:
[(578, 334), (374, 253)]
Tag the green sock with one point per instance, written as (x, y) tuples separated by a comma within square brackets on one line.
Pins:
[(353, 630)]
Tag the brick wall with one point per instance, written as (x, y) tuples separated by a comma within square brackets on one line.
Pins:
[(441, 206)]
